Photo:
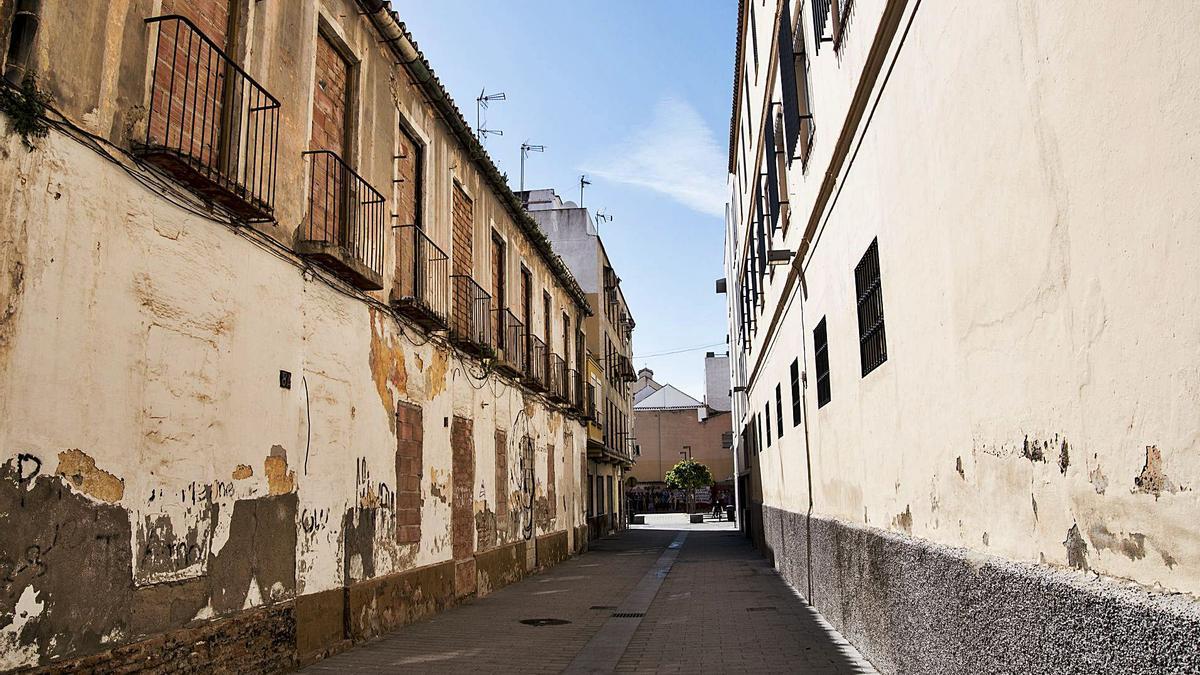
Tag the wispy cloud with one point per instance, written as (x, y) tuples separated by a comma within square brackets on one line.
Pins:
[(675, 154)]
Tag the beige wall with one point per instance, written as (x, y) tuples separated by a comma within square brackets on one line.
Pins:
[(141, 346), (662, 435), (1031, 178)]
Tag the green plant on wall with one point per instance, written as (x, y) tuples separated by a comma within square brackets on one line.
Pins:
[(689, 475), (25, 106)]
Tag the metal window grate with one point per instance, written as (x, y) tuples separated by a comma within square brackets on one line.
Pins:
[(821, 355), (767, 419), (796, 392), (779, 411), (872, 340), (628, 615)]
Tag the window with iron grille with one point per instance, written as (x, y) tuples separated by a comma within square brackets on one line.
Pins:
[(779, 411), (821, 355), (767, 421), (796, 392), (872, 341)]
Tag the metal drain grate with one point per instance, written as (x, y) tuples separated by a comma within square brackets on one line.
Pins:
[(761, 609), (544, 622), (603, 607), (628, 615)]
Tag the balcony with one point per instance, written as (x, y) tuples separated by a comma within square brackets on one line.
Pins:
[(210, 125), (511, 349), (471, 321), (343, 229), (538, 363), (558, 379), (422, 290), (575, 392)]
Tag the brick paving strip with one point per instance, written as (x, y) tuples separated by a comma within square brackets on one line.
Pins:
[(602, 653), (711, 604)]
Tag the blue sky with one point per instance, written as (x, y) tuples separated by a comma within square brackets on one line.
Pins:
[(636, 94)]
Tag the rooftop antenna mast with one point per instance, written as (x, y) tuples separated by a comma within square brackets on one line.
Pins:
[(602, 217), (481, 104), (526, 148), (583, 182)]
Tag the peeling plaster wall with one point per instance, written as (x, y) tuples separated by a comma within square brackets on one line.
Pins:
[(1039, 288), (147, 447)]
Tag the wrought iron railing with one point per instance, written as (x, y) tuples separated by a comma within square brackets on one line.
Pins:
[(537, 365), (210, 125), (558, 377), (510, 341), (575, 388), (590, 410), (343, 227), (623, 368), (471, 321), (422, 289)]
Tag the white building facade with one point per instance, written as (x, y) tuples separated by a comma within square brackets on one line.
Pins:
[(961, 274)]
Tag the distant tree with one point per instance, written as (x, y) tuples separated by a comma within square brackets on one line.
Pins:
[(689, 475)]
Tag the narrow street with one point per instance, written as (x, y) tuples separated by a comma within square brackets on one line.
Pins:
[(711, 603)]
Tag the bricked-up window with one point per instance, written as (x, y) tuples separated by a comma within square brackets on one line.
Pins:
[(499, 287), (409, 469), (502, 486), (872, 341), (779, 411), (767, 421), (796, 392), (821, 356), (551, 490)]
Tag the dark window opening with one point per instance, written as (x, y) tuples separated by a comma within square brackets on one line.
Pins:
[(797, 102), (821, 355), (796, 392), (767, 421), (872, 341), (779, 411)]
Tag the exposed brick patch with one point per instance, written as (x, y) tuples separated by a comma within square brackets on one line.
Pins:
[(463, 256), (462, 516), (409, 470)]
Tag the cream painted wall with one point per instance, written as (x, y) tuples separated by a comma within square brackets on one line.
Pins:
[(1030, 174)]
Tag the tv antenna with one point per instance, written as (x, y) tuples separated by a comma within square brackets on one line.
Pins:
[(526, 148), (481, 104), (583, 182), (602, 217)]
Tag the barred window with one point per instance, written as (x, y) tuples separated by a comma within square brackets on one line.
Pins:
[(796, 392), (872, 341), (767, 421), (779, 411), (821, 354)]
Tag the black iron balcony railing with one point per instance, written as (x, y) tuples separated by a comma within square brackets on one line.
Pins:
[(510, 342), (422, 290), (343, 229), (537, 364), (558, 378), (471, 320), (575, 389), (210, 125)]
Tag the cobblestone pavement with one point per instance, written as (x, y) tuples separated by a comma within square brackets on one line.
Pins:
[(711, 604)]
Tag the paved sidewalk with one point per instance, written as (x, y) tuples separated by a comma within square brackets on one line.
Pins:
[(710, 605)]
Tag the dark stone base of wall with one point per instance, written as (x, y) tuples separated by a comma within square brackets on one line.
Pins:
[(581, 539), (311, 627), (552, 549), (914, 606), (256, 641)]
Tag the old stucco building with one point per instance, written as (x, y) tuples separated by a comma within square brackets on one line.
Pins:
[(962, 292), (283, 362), (608, 397)]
